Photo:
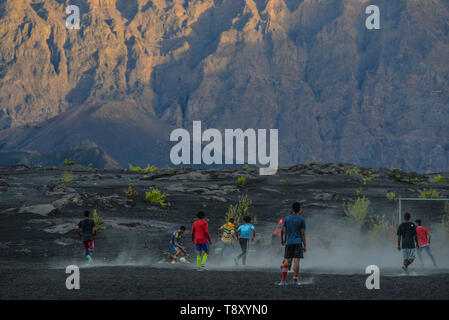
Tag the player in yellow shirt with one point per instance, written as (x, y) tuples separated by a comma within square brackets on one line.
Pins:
[(226, 232)]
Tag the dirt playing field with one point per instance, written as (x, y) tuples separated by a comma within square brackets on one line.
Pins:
[(243, 283)]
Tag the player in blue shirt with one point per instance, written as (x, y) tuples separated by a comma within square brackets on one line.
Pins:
[(245, 233), (294, 237)]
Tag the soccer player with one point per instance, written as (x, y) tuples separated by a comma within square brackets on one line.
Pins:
[(87, 230), (176, 244), (407, 233), (245, 233), (423, 242), (276, 246), (201, 238), (293, 236), (226, 232)]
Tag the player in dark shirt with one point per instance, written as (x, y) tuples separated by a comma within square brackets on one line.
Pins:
[(87, 230), (407, 234)]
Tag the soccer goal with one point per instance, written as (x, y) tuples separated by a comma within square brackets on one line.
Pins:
[(431, 210)]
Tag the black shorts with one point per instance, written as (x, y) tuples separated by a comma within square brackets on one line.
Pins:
[(294, 251)]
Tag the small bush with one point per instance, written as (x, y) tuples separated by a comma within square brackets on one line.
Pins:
[(429, 194), (185, 181), (282, 182), (239, 210), (90, 165), (412, 180), (439, 178), (392, 196), (130, 192), (241, 181), (381, 228), (69, 162), (155, 196), (359, 192), (366, 180), (353, 171), (366, 173), (98, 220), (148, 169), (358, 211), (68, 178), (245, 166)]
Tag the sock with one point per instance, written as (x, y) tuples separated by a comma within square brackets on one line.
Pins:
[(198, 260), (175, 256), (204, 259), (295, 278), (284, 272)]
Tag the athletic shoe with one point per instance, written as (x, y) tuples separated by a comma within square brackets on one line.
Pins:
[(282, 283), (405, 269), (187, 261), (173, 261), (296, 283), (203, 268), (236, 261)]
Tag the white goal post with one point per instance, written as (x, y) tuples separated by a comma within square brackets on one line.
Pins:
[(415, 199)]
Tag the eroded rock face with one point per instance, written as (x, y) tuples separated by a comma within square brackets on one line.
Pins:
[(40, 209), (336, 91)]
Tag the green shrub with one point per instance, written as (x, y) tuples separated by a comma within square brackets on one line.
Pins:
[(358, 211), (155, 196), (429, 194), (130, 192), (148, 169), (69, 162), (366, 180), (90, 165), (412, 180), (366, 173), (68, 178), (282, 182), (359, 192), (98, 220), (185, 181), (241, 180), (438, 178), (392, 196), (381, 228), (353, 171), (245, 166), (239, 210)]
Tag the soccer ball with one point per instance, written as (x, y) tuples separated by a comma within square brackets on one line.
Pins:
[(183, 260)]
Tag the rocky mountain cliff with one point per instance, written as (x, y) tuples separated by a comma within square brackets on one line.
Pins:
[(137, 69)]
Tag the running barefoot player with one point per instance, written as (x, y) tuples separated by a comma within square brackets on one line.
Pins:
[(293, 236), (201, 239), (87, 230)]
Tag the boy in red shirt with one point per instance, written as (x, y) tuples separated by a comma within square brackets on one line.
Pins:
[(423, 242), (201, 239)]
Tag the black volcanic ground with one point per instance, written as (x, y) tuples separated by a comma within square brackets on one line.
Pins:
[(130, 251)]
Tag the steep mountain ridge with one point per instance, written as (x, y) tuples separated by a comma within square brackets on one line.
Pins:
[(335, 90)]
